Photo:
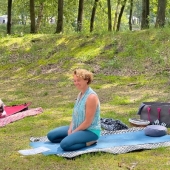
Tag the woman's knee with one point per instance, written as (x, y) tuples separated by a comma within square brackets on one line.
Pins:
[(50, 137), (64, 145), (57, 134)]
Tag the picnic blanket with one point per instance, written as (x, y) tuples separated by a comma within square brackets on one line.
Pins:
[(20, 115), (115, 142)]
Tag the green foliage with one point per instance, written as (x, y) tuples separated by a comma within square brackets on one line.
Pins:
[(21, 15)]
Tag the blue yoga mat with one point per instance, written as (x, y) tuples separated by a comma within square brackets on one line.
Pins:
[(127, 141)]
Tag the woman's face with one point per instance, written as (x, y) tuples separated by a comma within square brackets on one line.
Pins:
[(79, 82)]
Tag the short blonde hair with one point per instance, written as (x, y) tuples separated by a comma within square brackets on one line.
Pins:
[(84, 74)]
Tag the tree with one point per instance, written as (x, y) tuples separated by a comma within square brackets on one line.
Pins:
[(40, 16), (32, 17), (59, 28), (160, 19), (130, 16), (109, 15), (145, 14), (80, 15), (116, 14), (93, 15), (9, 17), (120, 15)]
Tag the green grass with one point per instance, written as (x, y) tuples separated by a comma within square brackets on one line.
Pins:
[(129, 68)]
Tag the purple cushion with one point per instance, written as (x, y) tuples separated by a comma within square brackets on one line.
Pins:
[(155, 130)]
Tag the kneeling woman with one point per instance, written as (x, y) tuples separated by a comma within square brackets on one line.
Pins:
[(84, 129)]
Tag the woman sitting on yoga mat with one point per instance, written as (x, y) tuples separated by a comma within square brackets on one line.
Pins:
[(84, 129)]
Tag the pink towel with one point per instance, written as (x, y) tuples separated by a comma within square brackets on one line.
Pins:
[(20, 115)]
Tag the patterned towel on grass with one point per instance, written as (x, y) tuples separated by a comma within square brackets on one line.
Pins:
[(20, 115), (115, 142)]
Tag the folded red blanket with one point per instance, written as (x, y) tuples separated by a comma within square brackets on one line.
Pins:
[(10, 110)]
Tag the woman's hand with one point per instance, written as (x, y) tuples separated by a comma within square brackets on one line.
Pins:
[(69, 131)]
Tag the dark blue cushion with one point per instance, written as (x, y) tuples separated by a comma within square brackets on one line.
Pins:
[(155, 130)]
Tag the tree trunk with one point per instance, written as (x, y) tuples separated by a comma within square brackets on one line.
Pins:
[(9, 17), (160, 19), (80, 15), (32, 17), (120, 15), (145, 14), (59, 28), (40, 16), (116, 14), (93, 15), (23, 19), (130, 16), (109, 15)]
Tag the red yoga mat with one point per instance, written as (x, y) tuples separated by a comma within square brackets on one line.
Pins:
[(16, 108)]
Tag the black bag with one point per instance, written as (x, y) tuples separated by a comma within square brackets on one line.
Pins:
[(155, 112)]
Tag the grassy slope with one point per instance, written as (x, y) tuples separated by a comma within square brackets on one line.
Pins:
[(129, 68)]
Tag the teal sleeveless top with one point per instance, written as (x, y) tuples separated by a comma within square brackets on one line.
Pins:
[(79, 112)]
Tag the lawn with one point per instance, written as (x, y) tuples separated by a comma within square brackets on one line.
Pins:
[(129, 68)]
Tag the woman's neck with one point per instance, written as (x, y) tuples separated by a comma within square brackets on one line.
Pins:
[(84, 90)]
